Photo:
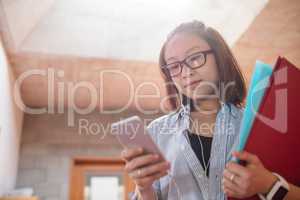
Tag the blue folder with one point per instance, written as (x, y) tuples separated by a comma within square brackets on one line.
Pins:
[(258, 85)]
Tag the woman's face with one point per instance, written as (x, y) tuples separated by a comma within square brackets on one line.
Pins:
[(196, 83)]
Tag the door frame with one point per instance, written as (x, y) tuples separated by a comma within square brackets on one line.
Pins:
[(82, 164)]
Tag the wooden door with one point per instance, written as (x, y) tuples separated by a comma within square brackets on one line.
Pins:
[(99, 179)]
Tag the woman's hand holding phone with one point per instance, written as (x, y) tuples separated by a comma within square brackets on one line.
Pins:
[(144, 169)]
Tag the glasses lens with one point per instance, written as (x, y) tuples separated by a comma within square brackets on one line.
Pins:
[(174, 68), (196, 60)]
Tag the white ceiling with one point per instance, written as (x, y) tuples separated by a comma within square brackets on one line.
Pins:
[(118, 29)]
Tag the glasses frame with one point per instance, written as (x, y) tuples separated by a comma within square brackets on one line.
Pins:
[(205, 53)]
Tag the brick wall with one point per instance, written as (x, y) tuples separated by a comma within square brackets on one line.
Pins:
[(275, 31), (48, 146)]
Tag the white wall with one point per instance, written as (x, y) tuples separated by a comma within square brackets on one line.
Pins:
[(10, 124), (22, 16), (131, 30)]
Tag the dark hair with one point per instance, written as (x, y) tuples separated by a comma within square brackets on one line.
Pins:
[(227, 65)]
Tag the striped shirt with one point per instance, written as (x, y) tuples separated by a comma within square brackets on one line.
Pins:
[(187, 179)]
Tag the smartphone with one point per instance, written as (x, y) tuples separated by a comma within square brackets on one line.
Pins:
[(131, 133)]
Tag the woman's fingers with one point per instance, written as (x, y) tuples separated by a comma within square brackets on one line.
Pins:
[(236, 185), (129, 154), (150, 170), (231, 193), (148, 180), (140, 161), (230, 186), (246, 156), (143, 168), (238, 170), (228, 175)]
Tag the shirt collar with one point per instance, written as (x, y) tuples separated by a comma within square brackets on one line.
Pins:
[(184, 113), (186, 109)]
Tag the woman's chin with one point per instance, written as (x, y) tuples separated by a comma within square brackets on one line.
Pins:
[(200, 95)]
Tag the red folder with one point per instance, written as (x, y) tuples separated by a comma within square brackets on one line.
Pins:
[(275, 134)]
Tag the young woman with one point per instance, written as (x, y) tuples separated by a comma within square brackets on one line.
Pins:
[(206, 89)]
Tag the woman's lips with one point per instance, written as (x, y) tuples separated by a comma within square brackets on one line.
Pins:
[(192, 83)]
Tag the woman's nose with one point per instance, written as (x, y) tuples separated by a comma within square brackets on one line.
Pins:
[(186, 71)]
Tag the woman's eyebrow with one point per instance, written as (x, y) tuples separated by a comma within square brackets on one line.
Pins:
[(171, 58), (186, 52), (191, 49)]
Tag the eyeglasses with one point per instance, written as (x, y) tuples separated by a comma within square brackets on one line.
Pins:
[(193, 61)]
